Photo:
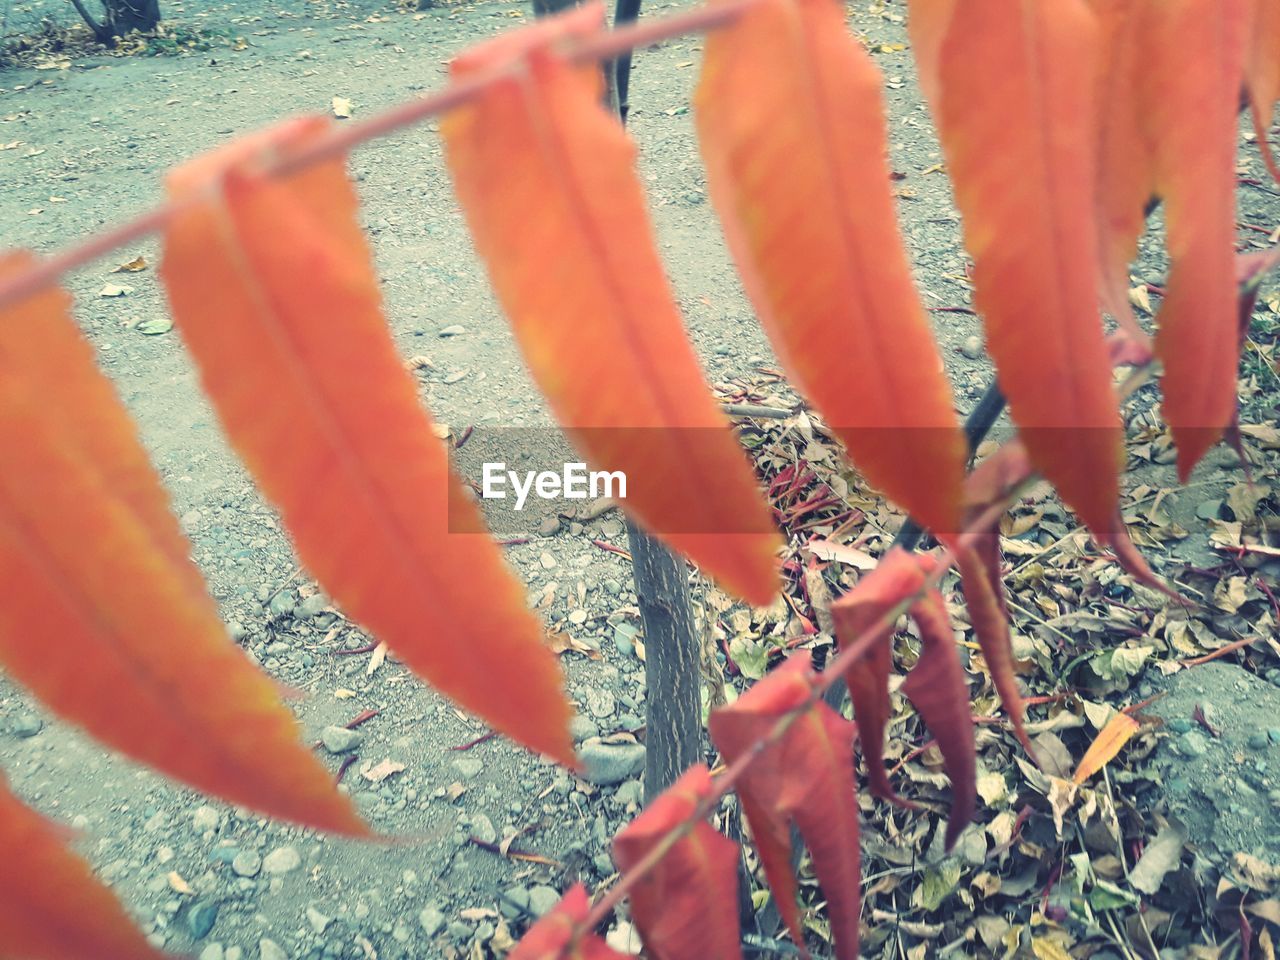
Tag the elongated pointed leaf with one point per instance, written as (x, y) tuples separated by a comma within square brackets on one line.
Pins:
[(896, 578), (991, 627), (1014, 97), (1262, 74), (51, 907), (937, 687), (274, 293), (685, 907), (798, 172), (1193, 62), (550, 938), (547, 181), (101, 613), (806, 777), (1108, 743)]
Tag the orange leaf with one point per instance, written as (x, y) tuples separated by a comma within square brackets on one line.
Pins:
[(805, 777), (1014, 97), (550, 938), (1109, 742), (1262, 73), (686, 906), (797, 169), (273, 290), (51, 907), (546, 179), (97, 584), (984, 595), (897, 577), (937, 687), (1192, 63)]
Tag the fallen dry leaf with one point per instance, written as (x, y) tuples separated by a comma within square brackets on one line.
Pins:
[(378, 772)]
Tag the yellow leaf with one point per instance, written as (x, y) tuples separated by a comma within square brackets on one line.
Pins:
[(1119, 729)]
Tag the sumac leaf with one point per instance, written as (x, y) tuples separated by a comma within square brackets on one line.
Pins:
[(102, 614), (550, 938), (1013, 89), (51, 907), (547, 181), (1262, 74), (273, 290), (797, 169), (1106, 745), (805, 777), (686, 906)]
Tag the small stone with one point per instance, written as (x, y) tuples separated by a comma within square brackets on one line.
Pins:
[(431, 920), (282, 604), (609, 763), (340, 739), (1193, 743), (549, 526), (201, 918), (515, 901), (319, 922), (482, 829), (624, 638), (453, 330), (1259, 741), (238, 632), (212, 951), (467, 767), (547, 560), (26, 724), (1274, 734), (459, 931), (972, 347), (400, 933), (206, 818), (578, 617), (600, 703), (246, 863), (234, 953), (580, 728), (631, 792), (312, 606), (1209, 509), (270, 950), (542, 899), (281, 861)]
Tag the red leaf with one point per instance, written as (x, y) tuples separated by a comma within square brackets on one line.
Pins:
[(985, 599), (897, 577), (1192, 63), (1013, 91), (51, 907), (1262, 73), (274, 293), (547, 182), (937, 687), (807, 777), (797, 169), (96, 584), (686, 906), (549, 938)]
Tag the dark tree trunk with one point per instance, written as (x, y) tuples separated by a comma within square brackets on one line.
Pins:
[(673, 739), (120, 17)]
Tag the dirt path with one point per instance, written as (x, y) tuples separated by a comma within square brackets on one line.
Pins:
[(92, 144)]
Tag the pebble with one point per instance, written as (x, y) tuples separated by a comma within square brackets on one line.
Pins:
[(212, 951), (282, 860), (1259, 741), (631, 792), (1193, 743), (515, 901), (549, 526), (459, 931), (206, 818), (482, 829), (608, 763), (600, 703), (972, 347), (282, 604), (547, 560), (578, 617), (431, 920), (453, 330), (270, 950), (26, 724), (580, 728), (313, 605), (340, 739), (467, 767), (319, 922), (201, 918), (542, 899), (246, 863)]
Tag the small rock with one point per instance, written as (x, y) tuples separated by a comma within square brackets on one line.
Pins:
[(482, 829), (212, 951), (1193, 743), (281, 861), (26, 724), (600, 703), (580, 728), (459, 931), (542, 899), (431, 920), (549, 526), (578, 617), (631, 792), (319, 922), (201, 918), (312, 606), (1209, 509), (609, 763), (282, 604), (1274, 734), (972, 347), (246, 863), (515, 901), (468, 767), (234, 953), (1259, 740), (453, 330), (340, 739), (547, 560), (206, 818), (270, 950), (624, 638)]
